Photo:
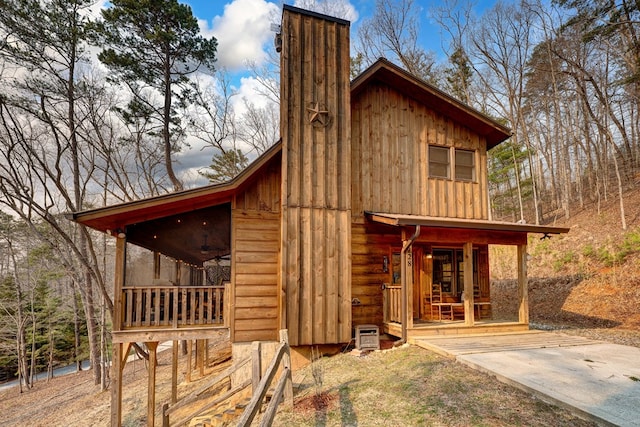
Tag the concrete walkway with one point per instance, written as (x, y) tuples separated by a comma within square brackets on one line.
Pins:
[(598, 380)]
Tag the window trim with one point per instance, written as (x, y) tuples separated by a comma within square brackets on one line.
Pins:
[(472, 167), (447, 165)]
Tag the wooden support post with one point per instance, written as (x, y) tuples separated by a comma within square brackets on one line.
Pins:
[(117, 348), (116, 385), (200, 356), (189, 359), (174, 373), (151, 390), (410, 284), (286, 364), (256, 365), (523, 291), (467, 256)]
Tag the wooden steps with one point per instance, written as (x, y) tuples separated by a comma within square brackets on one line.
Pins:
[(220, 417)]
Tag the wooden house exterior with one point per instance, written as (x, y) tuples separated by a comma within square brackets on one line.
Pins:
[(375, 196)]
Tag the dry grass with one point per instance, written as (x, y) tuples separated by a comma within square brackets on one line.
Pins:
[(410, 386)]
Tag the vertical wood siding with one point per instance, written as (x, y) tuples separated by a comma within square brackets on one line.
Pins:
[(391, 134), (316, 184)]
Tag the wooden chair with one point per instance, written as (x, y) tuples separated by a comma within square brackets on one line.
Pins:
[(438, 305)]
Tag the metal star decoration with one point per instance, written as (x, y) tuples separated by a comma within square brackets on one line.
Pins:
[(317, 115)]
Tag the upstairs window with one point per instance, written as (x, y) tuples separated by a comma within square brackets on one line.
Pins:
[(465, 165), (439, 164)]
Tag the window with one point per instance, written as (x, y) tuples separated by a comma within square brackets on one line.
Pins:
[(395, 268), (448, 269), (465, 165), (439, 162)]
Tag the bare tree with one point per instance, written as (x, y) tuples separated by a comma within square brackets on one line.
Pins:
[(392, 32)]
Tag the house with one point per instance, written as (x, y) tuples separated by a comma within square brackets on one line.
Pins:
[(371, 209)]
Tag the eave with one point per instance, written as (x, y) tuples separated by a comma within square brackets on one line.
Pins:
[(115, 217), (401, 220)]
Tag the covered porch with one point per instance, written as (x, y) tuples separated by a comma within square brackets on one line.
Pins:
[(432, 295), (171, 279)]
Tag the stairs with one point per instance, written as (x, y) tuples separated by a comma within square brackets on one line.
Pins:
[(221, 417)]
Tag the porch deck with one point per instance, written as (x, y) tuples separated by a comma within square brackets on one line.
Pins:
[(422, 329)]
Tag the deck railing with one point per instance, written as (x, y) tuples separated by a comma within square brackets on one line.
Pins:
[(392, 303), (172, 306)]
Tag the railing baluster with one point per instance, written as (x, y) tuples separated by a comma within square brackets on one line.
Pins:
[(138, 313), (174, 303), (211, 300), (200, 305), (128, 297), (218, 306)]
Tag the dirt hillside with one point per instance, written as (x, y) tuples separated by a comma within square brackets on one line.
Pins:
[(585, 282)]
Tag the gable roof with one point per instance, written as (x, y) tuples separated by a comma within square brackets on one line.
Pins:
[(386, 72), (110, 218), (114, 217)]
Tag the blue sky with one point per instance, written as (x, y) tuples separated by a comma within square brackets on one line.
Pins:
[(243, 31), (242, 27)]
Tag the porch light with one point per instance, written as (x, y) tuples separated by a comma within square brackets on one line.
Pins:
[(385, 264)]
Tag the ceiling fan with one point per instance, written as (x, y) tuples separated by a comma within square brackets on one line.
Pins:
[(205, 249)]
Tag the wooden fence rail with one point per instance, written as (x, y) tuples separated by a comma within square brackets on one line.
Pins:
[(172, 306), (284, 387), (213, 386)]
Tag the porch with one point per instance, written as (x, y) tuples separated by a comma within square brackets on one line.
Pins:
[(170, 312), (433, 324), (439, 281)]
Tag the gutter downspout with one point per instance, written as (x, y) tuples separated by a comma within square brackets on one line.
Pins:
[(406, 244)]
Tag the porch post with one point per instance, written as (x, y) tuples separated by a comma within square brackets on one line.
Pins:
[(523, 291), (151, 390), (404, 304), (467, 293), (117, 358)]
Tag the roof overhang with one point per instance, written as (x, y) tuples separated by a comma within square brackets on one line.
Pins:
[(409, 85), (115, 217), (400, 220)]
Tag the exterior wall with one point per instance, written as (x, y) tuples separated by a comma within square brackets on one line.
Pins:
[(370, 243), (255, 266), (316, 184), (391, 134)]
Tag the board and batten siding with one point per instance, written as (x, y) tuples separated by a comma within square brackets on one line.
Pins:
[(391, 134), (316, 184)]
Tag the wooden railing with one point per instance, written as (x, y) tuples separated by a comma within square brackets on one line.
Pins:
[(283, 389), (172, 306), (392, 303), (212, 387)]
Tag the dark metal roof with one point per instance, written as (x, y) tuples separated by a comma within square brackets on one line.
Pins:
[(473, 224)]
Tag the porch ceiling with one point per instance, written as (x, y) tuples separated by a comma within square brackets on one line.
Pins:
[(471, 224), (193, 237)]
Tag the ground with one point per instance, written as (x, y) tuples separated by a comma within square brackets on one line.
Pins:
[(579, 283)]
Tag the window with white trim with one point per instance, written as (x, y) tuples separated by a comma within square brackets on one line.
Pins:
[(439, 163), (465, 165)]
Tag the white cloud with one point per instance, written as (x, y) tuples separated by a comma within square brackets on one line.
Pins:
[(242, 31), (250, 89)]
